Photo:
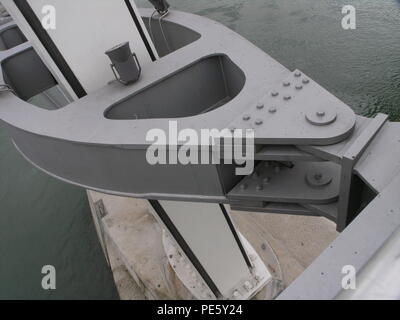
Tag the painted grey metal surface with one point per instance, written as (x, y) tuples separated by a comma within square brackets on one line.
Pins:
[(348, 209), (27, 85), (380, 278), (212, 79), (83, 121), (80, 145), (380, 162), (276, 183), (284, 153), (335, 152), (271, 207), (200, 88), (17, 57), (10, 36), (296, 110), (356, 246)]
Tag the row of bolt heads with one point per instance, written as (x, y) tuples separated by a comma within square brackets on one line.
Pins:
[(274, 94), (265, 181), (260, 187)]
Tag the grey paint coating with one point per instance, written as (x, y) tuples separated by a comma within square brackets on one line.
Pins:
[(382, 152), (80, 145), (17, 57), (202, 87), (271, 183), (83, 121), (347, 210), (356, 246), (213, 79), (10, 36)]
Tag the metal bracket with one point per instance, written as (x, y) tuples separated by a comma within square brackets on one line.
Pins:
[(347, 212), (305, 182)]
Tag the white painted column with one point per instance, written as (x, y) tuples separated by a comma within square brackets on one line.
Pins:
[(209, 233), (84, 30)]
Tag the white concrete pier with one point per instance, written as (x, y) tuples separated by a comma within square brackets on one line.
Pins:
[(132, 242)]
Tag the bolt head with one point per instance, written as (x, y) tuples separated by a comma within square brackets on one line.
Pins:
[(306, 81), (286, 83), (287, 97), (297, 74), (260, 106), (248, 285), (299, 87), (321, 116), (246, 117), (318, 176), (318, 179), (274, 93), (260, 187), (244, 186), (267, 180), (259, 122), (272, 110)]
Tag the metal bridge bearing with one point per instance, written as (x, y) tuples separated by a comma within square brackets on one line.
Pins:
[(305, 182), (318, 179)]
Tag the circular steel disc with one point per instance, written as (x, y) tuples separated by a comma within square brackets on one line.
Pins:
[(321, 116)]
